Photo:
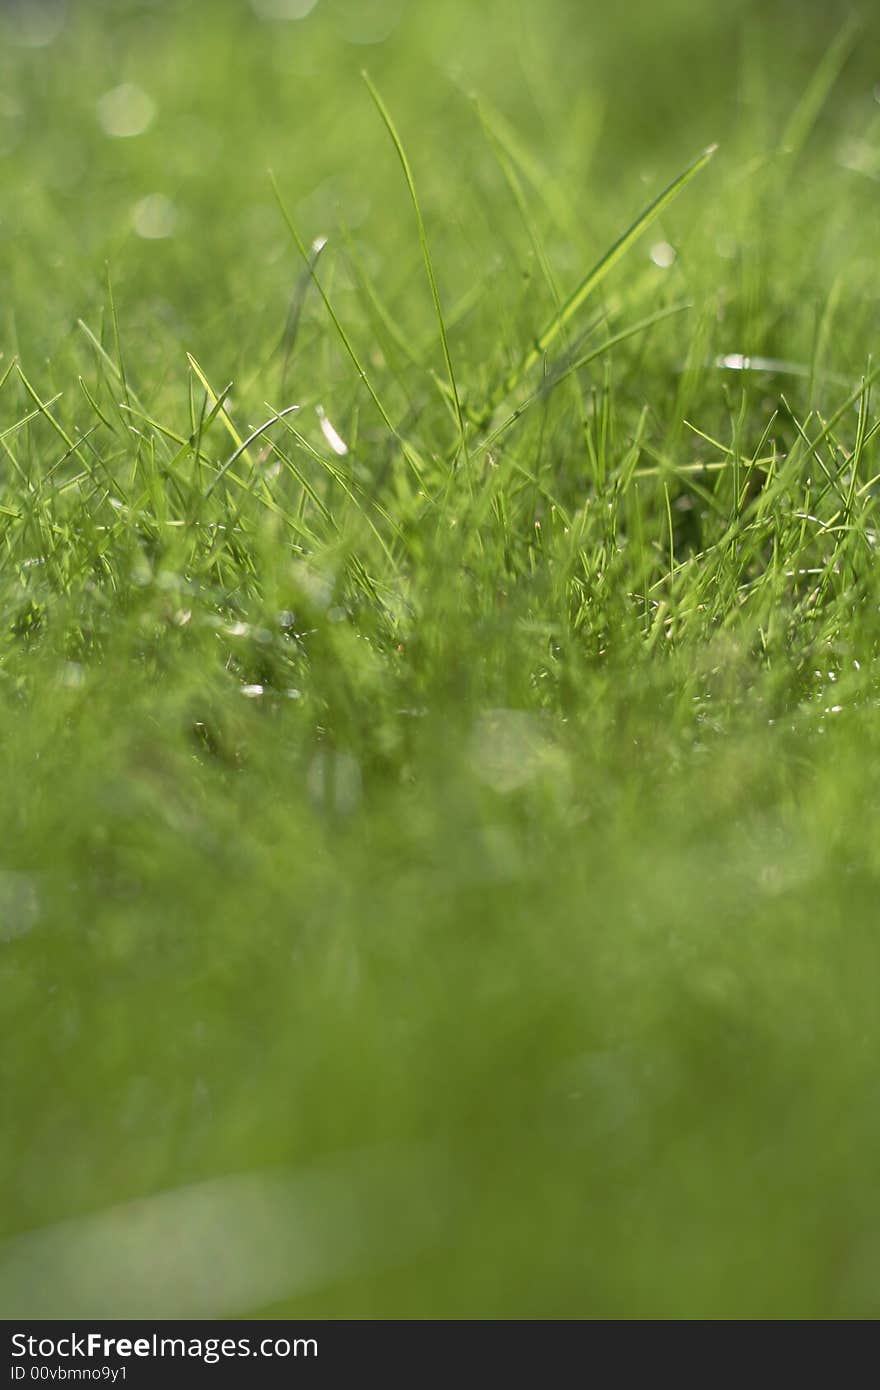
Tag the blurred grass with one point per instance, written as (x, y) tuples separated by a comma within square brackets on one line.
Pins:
[(516, 810)]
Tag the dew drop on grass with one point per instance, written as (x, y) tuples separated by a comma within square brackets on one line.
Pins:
[(333, 438), (125, 111), (154, 217), (511, 748), (72, 675), (34, 23), (663, 255), (859, 156)]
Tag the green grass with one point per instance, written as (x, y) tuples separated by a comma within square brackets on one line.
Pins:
[(440, 818)]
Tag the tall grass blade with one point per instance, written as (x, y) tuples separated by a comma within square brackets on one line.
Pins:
[(423, 241), (599, 272)]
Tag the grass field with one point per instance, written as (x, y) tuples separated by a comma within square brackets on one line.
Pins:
[(438, 661)]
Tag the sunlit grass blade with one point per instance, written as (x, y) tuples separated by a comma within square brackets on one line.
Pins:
[(244, 445), (297, 304), (410, 454), (217, 402), (425, 248), (599, 272), (568, 369)]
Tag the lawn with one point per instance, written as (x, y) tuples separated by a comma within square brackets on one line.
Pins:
[(439, 622)]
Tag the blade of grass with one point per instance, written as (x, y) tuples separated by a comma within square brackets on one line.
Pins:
[(426, 250), (297, 304), (594, 277), (215, 400), (244, 444), (808, 109), (556, 379), (415, 462)]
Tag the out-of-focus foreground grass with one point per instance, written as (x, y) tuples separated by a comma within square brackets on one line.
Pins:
[(438, 873)]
